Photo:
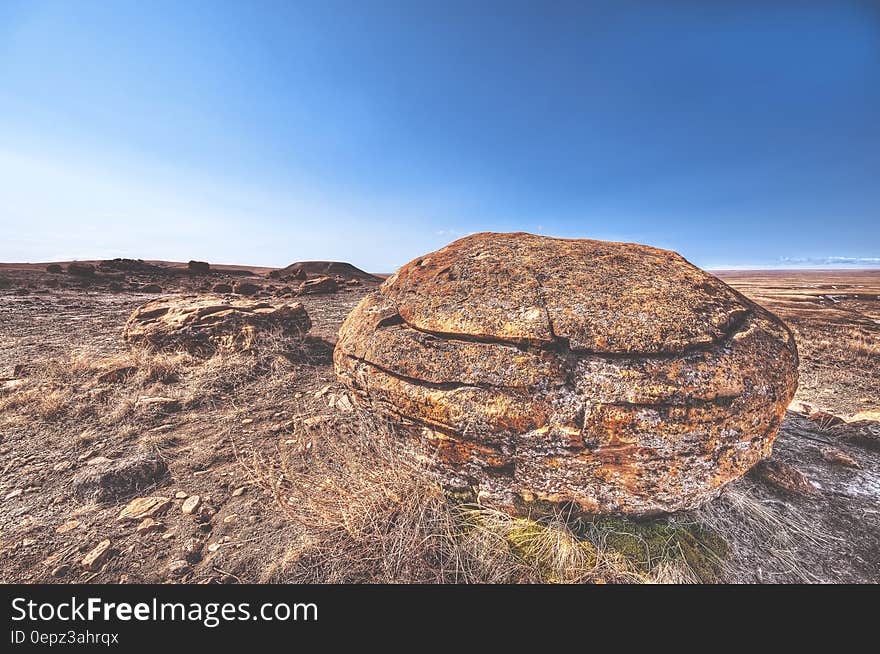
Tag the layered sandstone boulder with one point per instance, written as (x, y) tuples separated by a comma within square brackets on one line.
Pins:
[(319, 285), (613, 375), (204, 323)]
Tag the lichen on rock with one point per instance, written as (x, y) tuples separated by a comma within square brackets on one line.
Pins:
[(206, 323), (613, 375)]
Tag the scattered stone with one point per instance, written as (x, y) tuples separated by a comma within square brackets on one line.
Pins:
[(13, 384), (145, 507), (222, 288), (151, 288), (319, 285), (98, 461), (113, 480), (192, 550), (321, 393), (205, 514), (15, 493), (246, 288), (232, 517), (239, 491), (839, 457), (342, 403), (61, 570), (148, 525), (181, 495), (56, 557), (96, 558), (785, 478), (616, 376), (86, 437), (70, 525), (191, 504), (199, 267), (179, 568), (206, 323), (247, 421)]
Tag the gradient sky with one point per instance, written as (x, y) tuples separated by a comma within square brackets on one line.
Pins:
[(740, 134)]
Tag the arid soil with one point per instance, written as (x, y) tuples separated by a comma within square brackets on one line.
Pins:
[(75, 401)]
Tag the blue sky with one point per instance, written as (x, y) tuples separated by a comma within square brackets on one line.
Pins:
[(740, 134)]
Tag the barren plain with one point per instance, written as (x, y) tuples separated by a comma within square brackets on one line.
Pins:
[(261, 469)]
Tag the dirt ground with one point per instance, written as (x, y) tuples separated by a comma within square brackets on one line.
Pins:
[(62, 417)]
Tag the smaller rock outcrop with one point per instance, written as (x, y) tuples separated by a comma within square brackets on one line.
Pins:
[(319, 285), (246, 288), (204, 323)]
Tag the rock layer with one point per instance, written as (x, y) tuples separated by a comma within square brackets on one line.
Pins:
[(613, 375), (204, 323)]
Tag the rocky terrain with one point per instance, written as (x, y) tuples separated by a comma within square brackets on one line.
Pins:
[(129, 464)]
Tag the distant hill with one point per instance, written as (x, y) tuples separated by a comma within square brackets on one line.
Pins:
[(324, 269), (150, 265), (300, 269)]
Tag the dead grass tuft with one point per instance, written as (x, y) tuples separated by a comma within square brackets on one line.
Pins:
[(370, 513)]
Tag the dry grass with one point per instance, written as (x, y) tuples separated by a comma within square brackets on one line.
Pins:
[(76, 387), (365, 509), (770, 527), (369, 513)]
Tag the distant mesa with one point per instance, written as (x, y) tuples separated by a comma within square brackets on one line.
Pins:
[(302, 270)]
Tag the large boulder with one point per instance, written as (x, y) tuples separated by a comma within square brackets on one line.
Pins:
[(616, 376), (204, 323)]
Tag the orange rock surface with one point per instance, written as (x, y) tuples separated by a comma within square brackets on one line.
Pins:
[(613, 375), (204, 323)]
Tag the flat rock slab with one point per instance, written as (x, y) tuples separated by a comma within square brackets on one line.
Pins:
[(205, 323), (613, 375), (145, 507)]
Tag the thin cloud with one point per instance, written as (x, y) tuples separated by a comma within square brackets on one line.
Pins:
[(831, 261)]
